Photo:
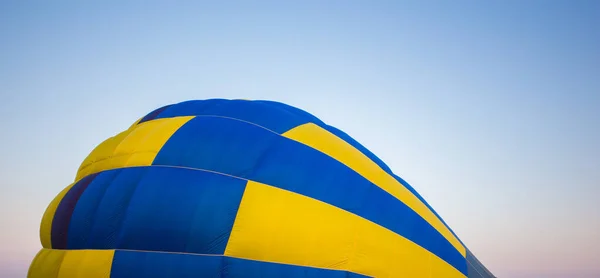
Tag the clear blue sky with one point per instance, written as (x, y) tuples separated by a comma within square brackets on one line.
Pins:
[(490, 110)]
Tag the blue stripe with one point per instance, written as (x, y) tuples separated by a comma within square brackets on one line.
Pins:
[(131, 264), (245, 150), (158, 209), (258, 112), (348, 139), (83, 215), (110, 211), (298, 113), (255, 269), (307, 117)]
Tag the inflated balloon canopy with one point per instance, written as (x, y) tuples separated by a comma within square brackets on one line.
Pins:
[(238, 188)]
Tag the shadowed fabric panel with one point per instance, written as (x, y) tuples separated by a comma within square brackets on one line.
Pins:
[(48, 218), (64, 211)]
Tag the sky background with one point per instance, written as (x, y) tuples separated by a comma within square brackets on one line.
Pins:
[(490, 109)]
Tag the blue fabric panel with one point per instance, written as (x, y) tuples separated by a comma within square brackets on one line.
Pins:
[(62, 217), (192, 108), (304, 115), (84, 212), (260, 155), (157, 208), (257, 112), (132, 264), (255, 269), (182, 210), (98, 221), (223, 145)]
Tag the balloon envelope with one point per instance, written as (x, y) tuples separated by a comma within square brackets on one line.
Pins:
[(238, 188)]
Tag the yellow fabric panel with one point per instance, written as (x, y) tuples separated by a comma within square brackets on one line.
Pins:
[(101, 153), (439, 268), (86, 264), (46, 264), (320, 139), (278, 226), (275, 225), (54, 263), (136, 146), (48, 217)]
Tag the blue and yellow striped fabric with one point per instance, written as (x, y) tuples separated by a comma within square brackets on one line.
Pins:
[(238, 188)]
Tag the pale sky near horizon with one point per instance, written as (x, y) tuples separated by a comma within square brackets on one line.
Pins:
[(490, 110)]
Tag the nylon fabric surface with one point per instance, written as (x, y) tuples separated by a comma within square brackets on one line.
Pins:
[(281, 118), (210, 143), (241, 188)]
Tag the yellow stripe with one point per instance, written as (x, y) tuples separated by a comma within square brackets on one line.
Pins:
[(280, 226), (50, 263), (87, 264), (320, 139), (46, 264), (136, 146), (46, 225)]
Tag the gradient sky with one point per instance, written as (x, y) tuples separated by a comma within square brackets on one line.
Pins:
[(490, 110)]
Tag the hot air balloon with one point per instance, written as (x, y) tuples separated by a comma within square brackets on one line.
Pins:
[(242, 188)]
